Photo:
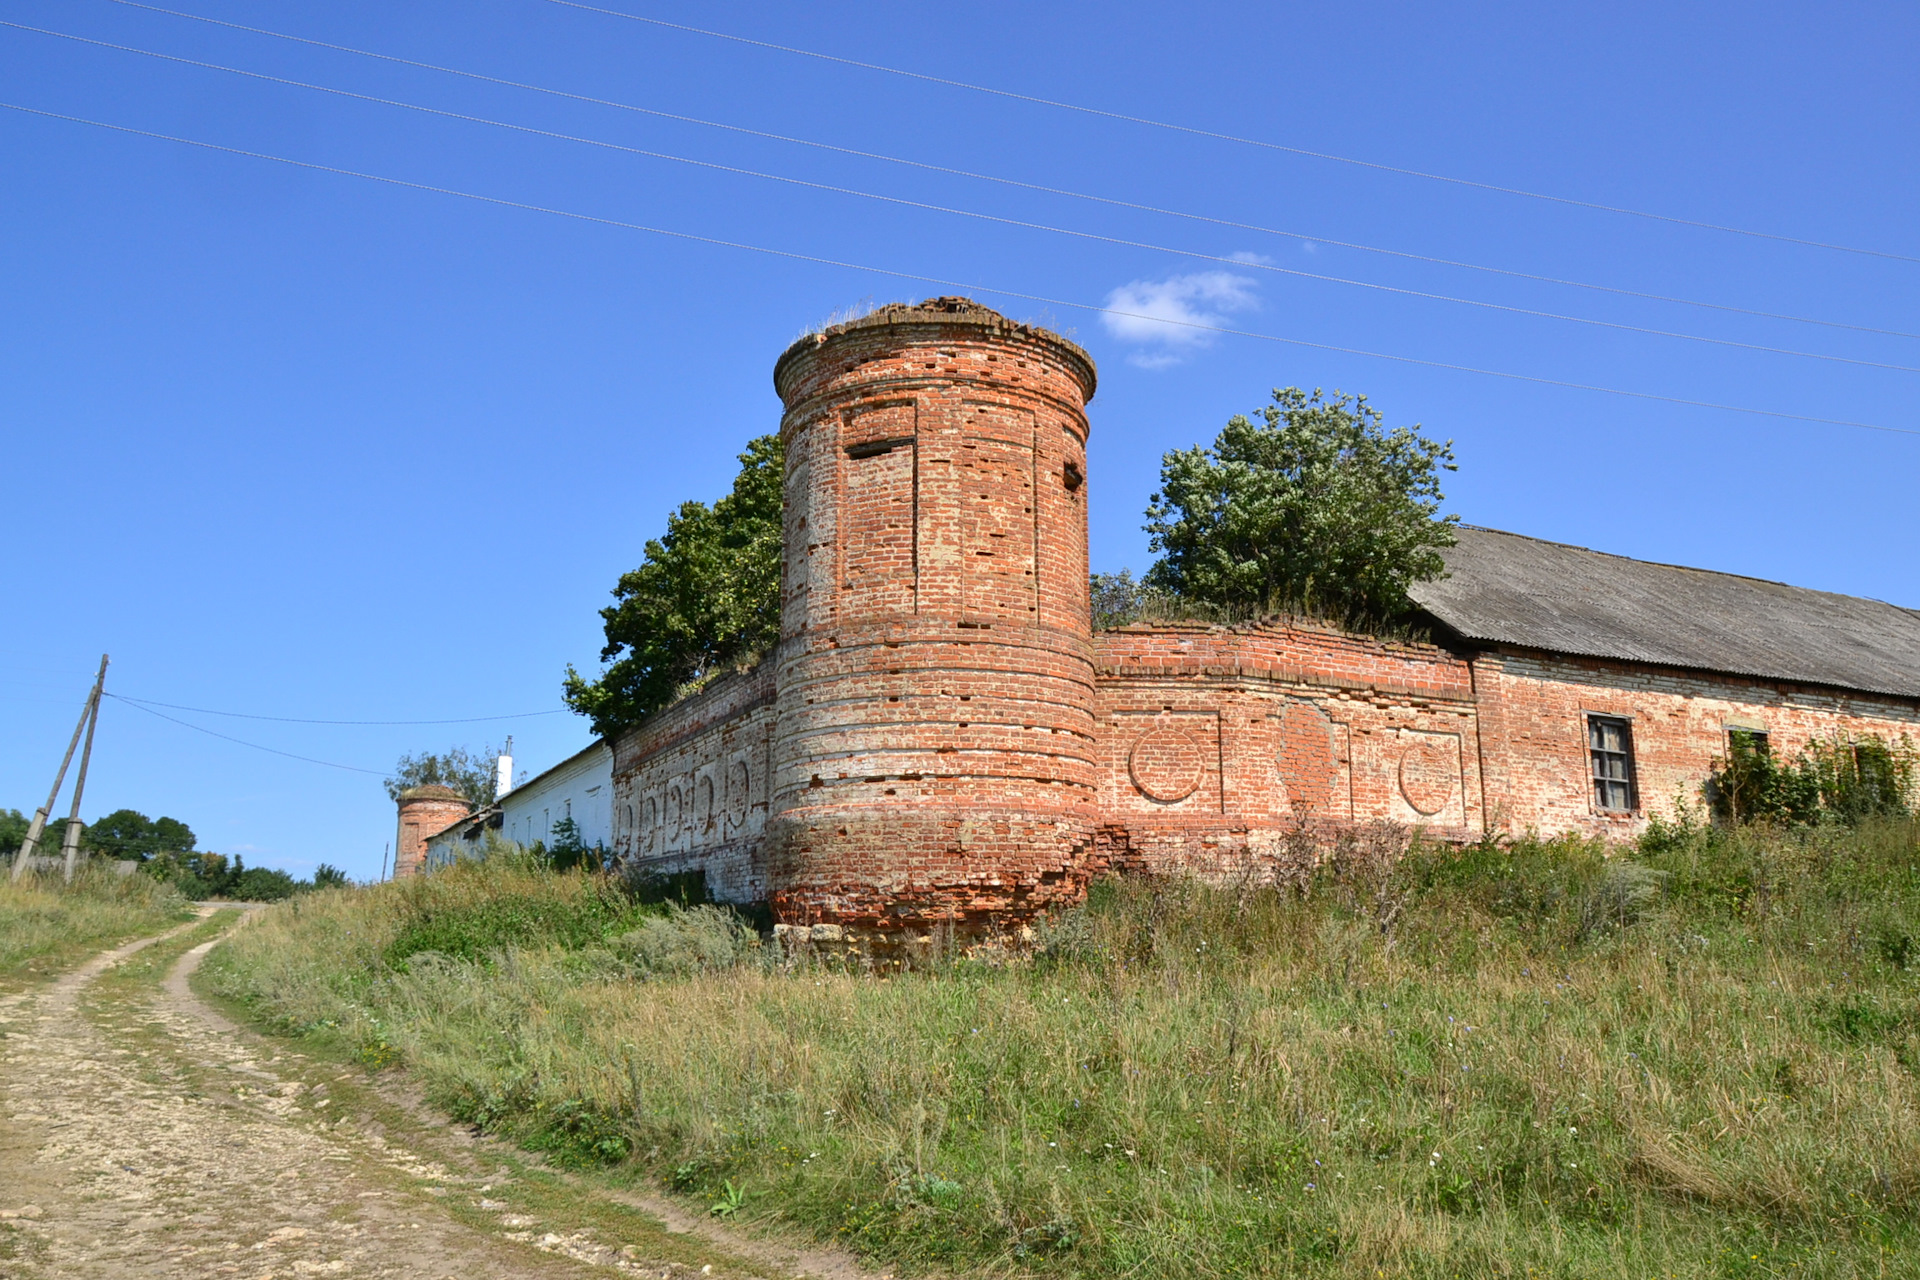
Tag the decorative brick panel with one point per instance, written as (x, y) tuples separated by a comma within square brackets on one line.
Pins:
[(940, 741), (934, 707)]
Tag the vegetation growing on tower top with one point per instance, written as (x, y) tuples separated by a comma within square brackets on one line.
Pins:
[(1316, 507)]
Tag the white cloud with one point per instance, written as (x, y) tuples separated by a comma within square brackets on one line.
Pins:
[(1161, 315), (1249, 257)]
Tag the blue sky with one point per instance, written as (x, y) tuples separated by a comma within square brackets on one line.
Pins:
[(297, 444)]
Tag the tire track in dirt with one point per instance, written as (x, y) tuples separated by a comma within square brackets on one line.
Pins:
[(147, 1137)]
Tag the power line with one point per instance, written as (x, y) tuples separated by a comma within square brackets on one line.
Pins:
[(1014, 182), (817, 259), (928, 206), (1228, 137), (242, 715), (350, 768)]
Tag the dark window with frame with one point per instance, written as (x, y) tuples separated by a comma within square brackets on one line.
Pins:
[(1610, 747), (1751, 742)]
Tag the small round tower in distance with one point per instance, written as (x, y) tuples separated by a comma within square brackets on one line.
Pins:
[(424, 811), (934, 741)]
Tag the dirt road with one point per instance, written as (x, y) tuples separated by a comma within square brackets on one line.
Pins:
[(142, 1134)]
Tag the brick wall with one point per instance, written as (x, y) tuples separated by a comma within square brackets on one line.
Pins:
[(424, 812), (1220, 744), (940, 740), (1534, 737), (934, 748), (690, 787)]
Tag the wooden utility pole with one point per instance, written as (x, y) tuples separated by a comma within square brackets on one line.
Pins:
[(24, 858), (70, 838)]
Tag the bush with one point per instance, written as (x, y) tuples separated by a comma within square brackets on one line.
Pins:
[(1842, 780), (472, 911), (260, 884), (683, 941)]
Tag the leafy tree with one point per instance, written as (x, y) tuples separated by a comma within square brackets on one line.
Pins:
[(705, 600), (128, 833), (569, 850), (1114, 598), (472, 775), (1316, 506), (259, 884), (197, 875), (13, 831), (328, 876)]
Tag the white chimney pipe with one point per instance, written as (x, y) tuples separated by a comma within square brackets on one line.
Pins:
[(503, 779)]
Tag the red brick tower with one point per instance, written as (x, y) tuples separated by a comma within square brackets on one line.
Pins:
[(424, 811), (934, 739)]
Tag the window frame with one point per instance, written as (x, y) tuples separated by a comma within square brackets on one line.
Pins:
[(1590, 722)]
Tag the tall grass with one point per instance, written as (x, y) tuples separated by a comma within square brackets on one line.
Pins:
[(45, 923), (1696, 1058)]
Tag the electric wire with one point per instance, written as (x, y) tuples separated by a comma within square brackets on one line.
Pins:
[(350, 768), (242, 715), (821, 260), (1120, 241), (1235, 138), (1017, 183)]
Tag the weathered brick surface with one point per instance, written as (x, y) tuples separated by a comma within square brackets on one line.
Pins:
[(690, 788), (940, 740), (934, 748), (1220, 743), (1534, 708), (424, 812)]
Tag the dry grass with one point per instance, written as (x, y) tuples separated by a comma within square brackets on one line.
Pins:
[(45, 924), (1510, 1061)]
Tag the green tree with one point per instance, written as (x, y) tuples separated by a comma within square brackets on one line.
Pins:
[(128, 833), (328, 876), (1315, 506), (471, 774), (259, 884), (705, 600), (13, 831)]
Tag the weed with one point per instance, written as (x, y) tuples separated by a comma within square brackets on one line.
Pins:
[(732, 1200)]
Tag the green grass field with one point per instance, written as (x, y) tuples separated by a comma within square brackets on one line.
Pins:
[(46, 925), (1700, 1057)]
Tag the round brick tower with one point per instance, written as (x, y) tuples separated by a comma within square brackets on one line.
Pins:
[(424, 811), (934, 737)]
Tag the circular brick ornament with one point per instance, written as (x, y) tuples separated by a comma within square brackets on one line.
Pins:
[(1167, 764), (703, 813), (1427, 776), (737, 791)]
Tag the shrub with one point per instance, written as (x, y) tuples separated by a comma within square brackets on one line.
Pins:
[(684, 941), (1838, 779)]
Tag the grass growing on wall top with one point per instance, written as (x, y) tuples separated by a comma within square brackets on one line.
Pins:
[(1699, 1059)]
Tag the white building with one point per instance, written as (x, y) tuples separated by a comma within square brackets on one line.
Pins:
[(579, 788)]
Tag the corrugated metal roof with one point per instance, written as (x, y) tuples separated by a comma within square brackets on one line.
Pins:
[(1508, 589)]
